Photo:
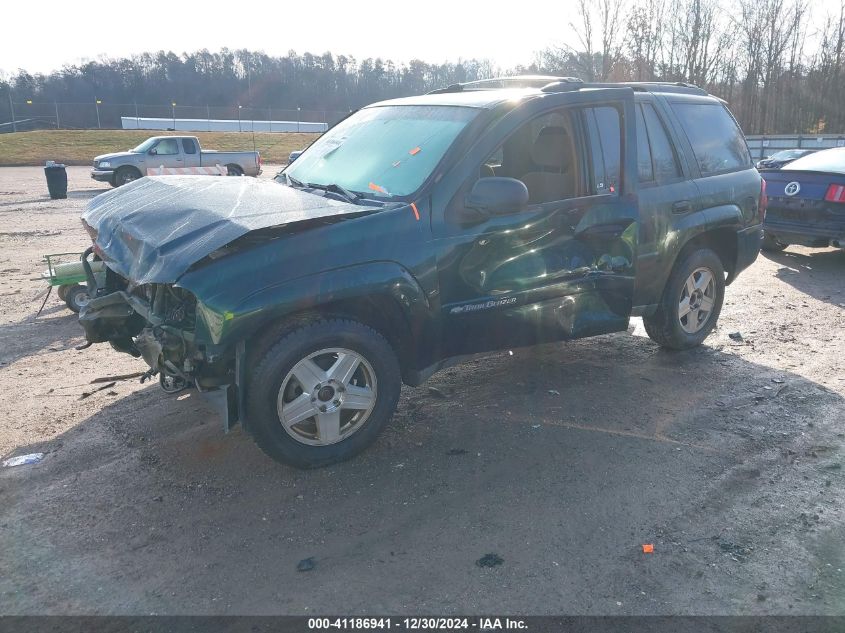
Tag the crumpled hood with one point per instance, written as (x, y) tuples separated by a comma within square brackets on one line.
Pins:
[(154, 229)]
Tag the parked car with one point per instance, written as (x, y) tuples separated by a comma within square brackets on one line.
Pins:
[(783, 157), (807, 202), (418, 232), (120, 168)]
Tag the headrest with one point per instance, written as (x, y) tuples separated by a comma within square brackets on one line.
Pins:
[(551, 146)]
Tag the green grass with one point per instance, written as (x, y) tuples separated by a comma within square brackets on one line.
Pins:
[(79, 147)]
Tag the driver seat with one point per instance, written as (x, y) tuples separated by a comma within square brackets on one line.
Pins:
[(551, 154)]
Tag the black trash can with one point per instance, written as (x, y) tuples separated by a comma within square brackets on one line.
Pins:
[(56, 180)]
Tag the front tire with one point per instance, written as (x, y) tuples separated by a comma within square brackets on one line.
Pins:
[(771, 244), (125, 175), (322, 393), (691, 302)]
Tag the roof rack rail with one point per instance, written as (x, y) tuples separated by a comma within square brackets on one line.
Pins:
[(638, 86), (513, 81)]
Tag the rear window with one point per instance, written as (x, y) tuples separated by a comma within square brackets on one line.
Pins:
[(717, 141), (827, 160)]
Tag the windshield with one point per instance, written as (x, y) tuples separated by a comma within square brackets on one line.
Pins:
[(145, 146), (788, 153), (827, 160), (382, 151)]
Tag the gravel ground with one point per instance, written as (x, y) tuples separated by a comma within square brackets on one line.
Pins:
[(561, 461)]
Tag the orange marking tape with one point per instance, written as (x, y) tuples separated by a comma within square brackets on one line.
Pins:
[(648, 548), (415, 151), (378, 188), (416, 213)]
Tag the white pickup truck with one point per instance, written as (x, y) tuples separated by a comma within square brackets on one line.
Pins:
[(172, 155)]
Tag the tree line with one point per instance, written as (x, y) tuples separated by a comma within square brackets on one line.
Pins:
[(777, 62)]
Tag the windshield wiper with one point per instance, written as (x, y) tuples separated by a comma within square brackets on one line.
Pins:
[(335, 188), (293, 181)]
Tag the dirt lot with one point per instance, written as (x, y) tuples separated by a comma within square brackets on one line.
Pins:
[(563, 461)]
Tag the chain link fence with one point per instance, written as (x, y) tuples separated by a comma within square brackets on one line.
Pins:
[(29, 115)]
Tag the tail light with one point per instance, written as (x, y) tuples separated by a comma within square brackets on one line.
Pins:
[(764, 199), (835, 193)]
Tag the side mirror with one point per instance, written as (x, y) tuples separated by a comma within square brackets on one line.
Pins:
[(498, 196)]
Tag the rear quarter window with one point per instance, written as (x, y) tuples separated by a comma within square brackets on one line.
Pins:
[(717, 141)]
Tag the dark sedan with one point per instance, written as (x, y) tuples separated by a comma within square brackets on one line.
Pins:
[(807, 202), (783, 157)]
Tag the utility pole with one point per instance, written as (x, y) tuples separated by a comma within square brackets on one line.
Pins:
[(173, 112), (12, 108), (56, 105), (239, 117), (298, 117), (137, 122), (97, 103)]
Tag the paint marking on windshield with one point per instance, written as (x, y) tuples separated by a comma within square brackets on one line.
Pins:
[(416, 212), (415, 151)]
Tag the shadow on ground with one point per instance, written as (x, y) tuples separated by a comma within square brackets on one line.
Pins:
[(818, 273), (55, 329), (561, 460)]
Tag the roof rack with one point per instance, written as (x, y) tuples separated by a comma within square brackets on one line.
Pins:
[(550, 83), (514, 81), (679, 87)]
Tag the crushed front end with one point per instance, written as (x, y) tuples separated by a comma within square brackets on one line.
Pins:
[(156, 322)]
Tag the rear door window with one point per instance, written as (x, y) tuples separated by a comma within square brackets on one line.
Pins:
[(717, 141), (605, 136), (664, 160), (644, 169), (189, 146)]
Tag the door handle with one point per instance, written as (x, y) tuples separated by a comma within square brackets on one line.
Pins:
[(682, 206)]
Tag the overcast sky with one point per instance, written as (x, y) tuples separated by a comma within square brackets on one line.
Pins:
[(45, 35)]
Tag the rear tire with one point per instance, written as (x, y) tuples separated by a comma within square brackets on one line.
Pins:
[(234, 170), (691, 302), (77, 297), (302, 374), (771, 244)]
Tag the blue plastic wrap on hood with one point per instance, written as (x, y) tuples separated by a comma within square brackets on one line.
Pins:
[(154, 229)]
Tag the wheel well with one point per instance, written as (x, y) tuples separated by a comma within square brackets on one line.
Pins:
[(380, 312), (721, 241)]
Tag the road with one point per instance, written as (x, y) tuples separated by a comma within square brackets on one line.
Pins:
[(562, 461)]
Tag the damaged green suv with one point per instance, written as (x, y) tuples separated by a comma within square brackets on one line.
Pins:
[(420, 231)]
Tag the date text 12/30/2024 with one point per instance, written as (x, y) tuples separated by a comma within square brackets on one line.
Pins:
[(413, 624)]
